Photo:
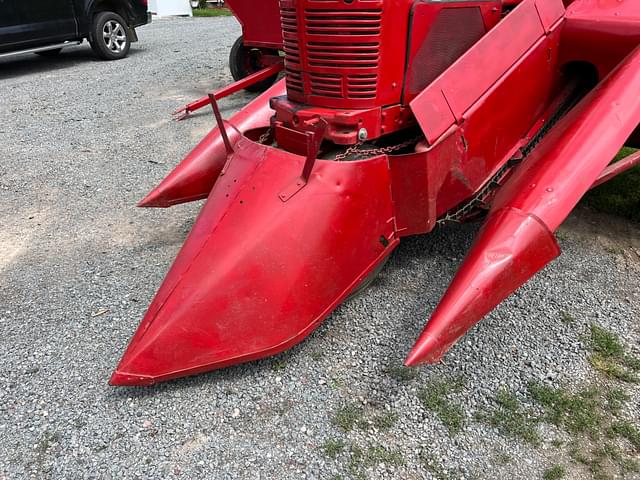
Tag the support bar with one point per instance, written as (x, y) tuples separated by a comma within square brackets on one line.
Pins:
[(234, 87), (617, 168)]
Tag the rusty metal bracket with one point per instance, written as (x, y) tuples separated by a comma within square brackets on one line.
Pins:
[(314, 141)]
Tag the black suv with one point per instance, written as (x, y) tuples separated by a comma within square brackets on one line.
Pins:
[(47, 26)]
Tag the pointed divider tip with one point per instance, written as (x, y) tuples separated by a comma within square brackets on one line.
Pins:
[(126, 380), (153, 200), (511, 248)]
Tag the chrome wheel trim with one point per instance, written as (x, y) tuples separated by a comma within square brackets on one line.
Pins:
[(114, 36)]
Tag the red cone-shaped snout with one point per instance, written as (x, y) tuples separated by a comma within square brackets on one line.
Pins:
[(517, 239), (257, 274), (195, 176), (509, 250)]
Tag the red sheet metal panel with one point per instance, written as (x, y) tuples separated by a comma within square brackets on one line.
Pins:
[(500, 120), (601, 32), (573, 155), (194, 176), (444, 101), (440, 32), (260, 22), (549, 12), (256, 275)]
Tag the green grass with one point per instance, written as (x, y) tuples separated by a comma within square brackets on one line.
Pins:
[(332, 448), (609, 358), (628, 430), (503, 458), (336, 383), (278, 364), (377, 454), (591, 417), (554, 473), (512, 419), (434, 397), (317, 355), (629, 465), (351, 415), (579, 413), (211, 12), (348, 417), (616, 398), (632, 362), (605, 343), (612, 369), (373, 456), (567, 318), (385, 421), (619, 196), (401, 374), (433, 466), (597, 460)]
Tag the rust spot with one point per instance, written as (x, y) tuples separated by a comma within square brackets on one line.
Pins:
[(465, 145)]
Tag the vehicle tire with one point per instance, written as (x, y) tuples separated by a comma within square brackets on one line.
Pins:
[(49, 53), (244, 61), (110, 34)]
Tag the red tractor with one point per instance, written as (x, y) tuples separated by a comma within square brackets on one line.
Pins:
[(393, 117)]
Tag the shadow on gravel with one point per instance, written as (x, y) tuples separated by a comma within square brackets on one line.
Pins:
[(256, 369), (32, 64)]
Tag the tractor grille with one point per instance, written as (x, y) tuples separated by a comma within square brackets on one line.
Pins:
[(331, 54), (290, 34), (442, 48)]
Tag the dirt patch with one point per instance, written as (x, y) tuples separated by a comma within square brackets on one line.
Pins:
[(608, 233)]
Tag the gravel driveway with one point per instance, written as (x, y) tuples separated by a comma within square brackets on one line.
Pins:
[(83, 140)]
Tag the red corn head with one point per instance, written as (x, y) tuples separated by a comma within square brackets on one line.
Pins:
[(257, 274), (195, 176), (517, 239), (283, 239)]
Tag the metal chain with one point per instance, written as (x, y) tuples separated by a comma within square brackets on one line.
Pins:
[(480, 199), (265, 136), (354, 149)]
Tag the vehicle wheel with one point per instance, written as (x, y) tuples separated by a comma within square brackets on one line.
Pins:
[(49, 53), (244, 61), (111, 39)]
